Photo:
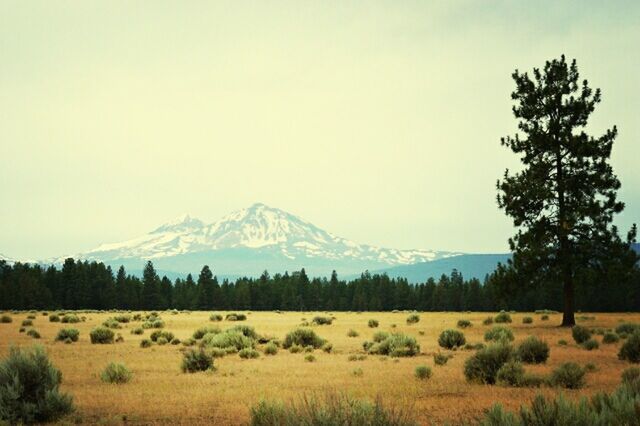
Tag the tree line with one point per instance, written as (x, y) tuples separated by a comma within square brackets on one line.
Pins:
[(93, 285)]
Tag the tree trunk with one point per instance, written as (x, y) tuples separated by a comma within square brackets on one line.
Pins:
[(568, 319)]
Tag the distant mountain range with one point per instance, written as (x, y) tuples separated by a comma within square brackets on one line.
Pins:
[(258, 238)]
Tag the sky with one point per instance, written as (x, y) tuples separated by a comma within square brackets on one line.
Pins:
[(378, 121)]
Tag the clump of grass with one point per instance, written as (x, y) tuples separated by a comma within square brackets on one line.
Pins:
[(503, 317), (145, 343), (627, 328), (294, 349), (463, 323), (101, 335), (610, 337), (194, 361), (27, 323), (373, 323), (303, 337), (563, 342), (590, 367), (487, 321), (544, 317), (6, 319), (161, 341), (29, 388), (451, 339), (533, 351), (580, 334), (68, 333), (568, 375), (422, 372), (630, 350), (356, 357), (527, 320), (498, 333), (483, 366), (320, 320), (167, 336), (630, 375), (440, 359), (310, 358), (54, 318), (33, 333), (590, 344), (215, 317), (352, 333), (201, 332), (270, 349), (357, 372), (137, 330), (327, 347), (413, 319), (70, 319), (116, 373), (248, 353)]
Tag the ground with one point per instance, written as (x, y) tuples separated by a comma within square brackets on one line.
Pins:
[(160, 393)]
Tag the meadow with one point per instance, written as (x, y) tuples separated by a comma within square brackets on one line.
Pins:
[(160, 392)]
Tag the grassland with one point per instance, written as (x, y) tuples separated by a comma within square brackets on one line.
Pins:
[(160, 393)]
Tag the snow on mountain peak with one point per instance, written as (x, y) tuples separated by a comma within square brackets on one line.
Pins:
[(181, 223)]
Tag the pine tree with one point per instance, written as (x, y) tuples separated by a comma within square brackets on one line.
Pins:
[(205, 289), (563, 201)]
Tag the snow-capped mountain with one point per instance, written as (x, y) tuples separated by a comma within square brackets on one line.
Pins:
[(251, 240), (7, 259)]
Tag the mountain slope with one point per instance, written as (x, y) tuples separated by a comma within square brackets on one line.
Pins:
[(248, 241)]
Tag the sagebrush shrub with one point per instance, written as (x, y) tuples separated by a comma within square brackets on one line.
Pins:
[(196, 360), (248, 353), (498, 333), (111, 323), (137, 330), (487, 321), (527, 320), (6, 319), (246, 330), (563, 342), (502, 317), (320, 320), (510, 374), (590, 344), (294, 349), (310, 358), (544, 317), (70, 319), (627, 328), (580, 334), (630, 350), (379, 336), (352, 333), (373, 323), (116, 373), (215, 317), (161, 341), (413, 319), (200, 333), (29, 388), (356, 357), (303, 337), (610, 338), (568, 375), (440, 359), (423, 372), (229, 339), (483, 366), (33, 333), (235, 317), (463, 323), (27, 323), (122, 318), (451, 339), (327, 347), (533, 351), (54, 318), (395, 345), (145, 343), (101, 335), (68, 333), (631, 374), (161, 334), (270, 349)]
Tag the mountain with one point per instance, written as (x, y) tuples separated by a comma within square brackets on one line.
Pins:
[(7, 259), (247, 242)]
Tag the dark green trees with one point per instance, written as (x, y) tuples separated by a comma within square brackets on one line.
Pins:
[(563, 201)]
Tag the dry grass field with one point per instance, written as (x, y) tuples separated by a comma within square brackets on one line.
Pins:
[(160, 393)]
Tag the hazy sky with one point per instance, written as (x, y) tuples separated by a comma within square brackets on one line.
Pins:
[(377, 121)]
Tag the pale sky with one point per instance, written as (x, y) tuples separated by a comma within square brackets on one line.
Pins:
[(377, 121)]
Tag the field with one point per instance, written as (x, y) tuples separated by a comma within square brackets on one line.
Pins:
[(160, 393)]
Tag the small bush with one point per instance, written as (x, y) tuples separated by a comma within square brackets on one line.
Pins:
[(248, 353), (440, 359), (413, 319), (310, 358), (327, 347), (627, 328), (54, 318), (101, 335), (357, 372), (303, 337), (196, 360), (483, 366), (6, 319), (498, 333), (227, 340), (161, 334), (111, 323), (502, 317), (533, 351), (145, 343), (590, 344), (590, 367), (544, 317), (68, 333), (451, 339), (487, 321), (122, 318), (215, 317), (395, 345), (116, 374), (474, 347), (70, 319), (423, 372), (33, 333), (527, 320), (463, 323), (270, 349), (27, 323), (379, 336), (235, 317), (563, 342), (510, 374), (322, 320), (29, 388), (610, 338), (354, 357), (568, 375), (137, 330), (352, 333), (161, 341), (294, 349), (630, 350), (246, 331), (631, 374), (373, 323), (580, 334), (155, 323), (175, 341), (200, 333)]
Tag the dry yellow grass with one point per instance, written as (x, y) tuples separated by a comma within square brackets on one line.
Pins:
[(160, 393)]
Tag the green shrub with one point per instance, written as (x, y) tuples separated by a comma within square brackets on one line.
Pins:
[(22, 330), (463, 323), (580, 334), (451, 339), (590, 344), (533, 351), (357, 372), (334, 409), (483, 366), (228, 339), (568, 375), (161, 341), (70, 319), (630, 350), (413, 319), (310, 358), (423, 372), (246, 330), (563, 342), (111, 323), (498, 333), (54, 318), (137, 330), (373, 323), (6, 319), (610, 338), (327, 347), (510, 374), (474, 347), (235, 317), (395, 345), (502, 317), (248, 353), (355, 357), (116, 374), (196, 360), (155, 323), (631, 374), (319, 320), (29, 388), (175, 341), (379, 336), (294, 349), (440, 359), (68, 333), (161, 334), (590, 367), (200, 333), (122, 318), (527, 320), (33, 333), (27, 323), (270, 349), (145, 343), (544, 317), (303, 337), (627, 328), (487, 321), (101, 335), (352, 333), (215, 317)]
